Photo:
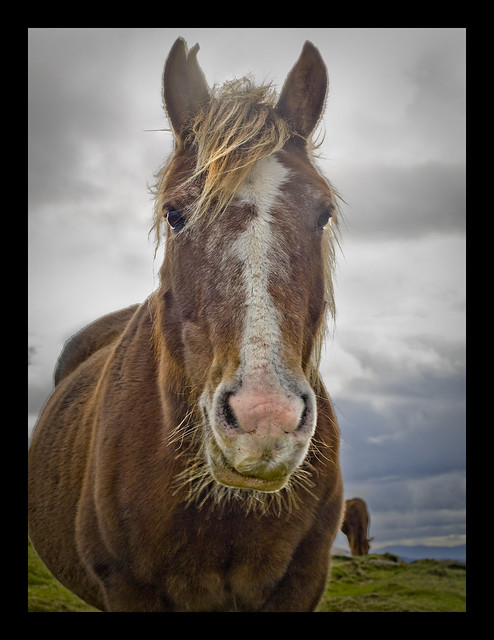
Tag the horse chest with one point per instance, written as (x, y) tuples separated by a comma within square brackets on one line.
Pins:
[(220, 575), (241, 588)]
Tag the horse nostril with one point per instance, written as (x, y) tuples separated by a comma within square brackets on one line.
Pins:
[(228, 413), (304, 413)]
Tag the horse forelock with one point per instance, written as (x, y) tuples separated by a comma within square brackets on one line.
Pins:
[(236, 129)]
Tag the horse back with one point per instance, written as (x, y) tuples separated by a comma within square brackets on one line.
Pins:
[(90, 339)]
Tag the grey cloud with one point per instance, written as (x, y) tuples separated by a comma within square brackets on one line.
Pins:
[(409, 508), (439, 72), (89, 107), (400, 439), (400, 509), (412, 523), (67, 100), (386, 202), (402, 170), (403, 420), (439, 491), (430, 367), (438, 76)]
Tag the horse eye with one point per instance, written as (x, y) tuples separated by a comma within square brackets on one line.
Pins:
[(322, 221), (175, 219)]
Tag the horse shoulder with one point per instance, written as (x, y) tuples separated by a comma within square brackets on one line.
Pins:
[(90, 339)]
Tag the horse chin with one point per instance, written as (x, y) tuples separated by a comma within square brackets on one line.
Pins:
[(259, 477)]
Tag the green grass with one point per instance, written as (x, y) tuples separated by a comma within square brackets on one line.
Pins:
[(385, 583), (47, 594), (368, 583)]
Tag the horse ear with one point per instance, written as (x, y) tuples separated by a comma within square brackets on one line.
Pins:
[(185, 89), (303, 95)]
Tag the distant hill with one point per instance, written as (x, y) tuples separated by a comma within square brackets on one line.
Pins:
[(419, 552)]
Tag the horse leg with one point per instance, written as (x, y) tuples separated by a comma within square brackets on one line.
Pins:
[(118, 590), (123, 593), (304, 582)]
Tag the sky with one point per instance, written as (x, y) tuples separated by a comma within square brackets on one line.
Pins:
[(394, 148)]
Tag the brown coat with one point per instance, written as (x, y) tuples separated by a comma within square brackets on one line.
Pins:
[(137, 501)]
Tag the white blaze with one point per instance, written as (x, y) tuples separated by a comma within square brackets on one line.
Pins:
[(254, 248)]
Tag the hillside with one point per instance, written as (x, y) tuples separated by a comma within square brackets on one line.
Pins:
[(370, 583), (385, 583)]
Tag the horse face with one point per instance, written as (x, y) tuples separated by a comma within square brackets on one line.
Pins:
[(245, 291)]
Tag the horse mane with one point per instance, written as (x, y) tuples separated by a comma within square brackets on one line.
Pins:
[(238, 127)]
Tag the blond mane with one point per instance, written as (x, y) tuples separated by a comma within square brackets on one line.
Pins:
[(239, 127)]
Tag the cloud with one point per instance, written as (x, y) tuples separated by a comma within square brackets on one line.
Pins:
[(436, 491), (414, 526), (400, 438), (92, 95), (425, 510), (388, 292), (407, 370), (399, 98), (389, 202), (437, 110), (402, 414)]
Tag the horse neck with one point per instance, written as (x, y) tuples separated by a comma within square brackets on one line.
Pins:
[(178, 396)]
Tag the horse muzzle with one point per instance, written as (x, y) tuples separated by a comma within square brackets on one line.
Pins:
[(259, 437)]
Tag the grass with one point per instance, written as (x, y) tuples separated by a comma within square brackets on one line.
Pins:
[(381, 583), (47, 594), (368, 583)]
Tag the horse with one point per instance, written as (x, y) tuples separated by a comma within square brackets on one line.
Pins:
[(356, 525), (188, 457)]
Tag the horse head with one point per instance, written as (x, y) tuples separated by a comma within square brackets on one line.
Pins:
[(246, 278)]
